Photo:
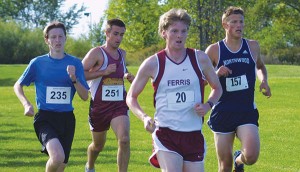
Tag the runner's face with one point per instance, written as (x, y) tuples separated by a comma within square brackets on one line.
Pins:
[(56, 40), (176, 35), (234, 25), (115, 36)]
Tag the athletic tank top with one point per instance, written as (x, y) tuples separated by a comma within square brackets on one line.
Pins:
[(177, 87), (238, 87), (108, 92)]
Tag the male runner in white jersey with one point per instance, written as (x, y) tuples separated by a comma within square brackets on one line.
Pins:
[(57, 76), (177, 75), (236, 60)]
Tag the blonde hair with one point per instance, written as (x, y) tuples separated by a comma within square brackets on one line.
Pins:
[(232, 10), (172, 16)]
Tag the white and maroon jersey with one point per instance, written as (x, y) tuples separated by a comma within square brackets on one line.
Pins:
[(177, 88), (108, 92)]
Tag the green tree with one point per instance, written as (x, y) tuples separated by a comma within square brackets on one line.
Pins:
[(141, 19), (18, 44), (37, 13), (274, 23)]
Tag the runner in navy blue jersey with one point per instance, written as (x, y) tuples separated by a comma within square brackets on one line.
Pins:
[(237, 62)]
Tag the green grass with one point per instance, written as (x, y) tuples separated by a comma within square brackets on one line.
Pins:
[(279, 129)]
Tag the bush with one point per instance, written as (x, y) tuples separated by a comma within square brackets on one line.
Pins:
[(19, 45), (289, 55)]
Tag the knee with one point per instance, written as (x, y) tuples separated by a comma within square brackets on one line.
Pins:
[(124, 141), (97, 147), (57, 160), (250, 158)]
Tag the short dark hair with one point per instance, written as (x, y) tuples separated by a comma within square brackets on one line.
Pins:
[(114, 22), (232, 10), (52, 25)]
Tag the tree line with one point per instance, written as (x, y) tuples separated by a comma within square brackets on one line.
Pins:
[(274, 23)]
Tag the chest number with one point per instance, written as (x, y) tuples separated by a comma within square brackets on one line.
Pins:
[(181, 97), (58, 95), (236, 83), (112, 92)]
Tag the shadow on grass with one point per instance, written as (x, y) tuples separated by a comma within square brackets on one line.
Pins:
[(7, 82)]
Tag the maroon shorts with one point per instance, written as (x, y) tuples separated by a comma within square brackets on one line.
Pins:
[(190, 145), (101, 122)]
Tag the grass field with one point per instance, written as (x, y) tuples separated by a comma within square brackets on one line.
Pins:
[(279, 129)]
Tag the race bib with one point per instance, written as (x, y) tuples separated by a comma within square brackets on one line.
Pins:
[(236, 83), (112, 92), (58, 95), (180, 99)]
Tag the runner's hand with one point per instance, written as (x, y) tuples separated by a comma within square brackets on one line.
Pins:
[(149, 124), (201, 109), (28, 110), (223, 71), (71, 71)]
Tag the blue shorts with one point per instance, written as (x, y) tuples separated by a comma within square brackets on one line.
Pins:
[(60, 125), (227, 122)]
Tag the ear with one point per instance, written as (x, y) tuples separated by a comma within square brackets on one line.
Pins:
[(46, 40), (164, 34), (106, 33), (224, 24)]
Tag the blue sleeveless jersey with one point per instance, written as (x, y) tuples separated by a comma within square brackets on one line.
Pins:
[(53, 86), (238, 87)]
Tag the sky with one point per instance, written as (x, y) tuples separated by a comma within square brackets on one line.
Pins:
[(95, 8)]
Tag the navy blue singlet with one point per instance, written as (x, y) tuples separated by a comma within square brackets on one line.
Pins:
[(238, 87)]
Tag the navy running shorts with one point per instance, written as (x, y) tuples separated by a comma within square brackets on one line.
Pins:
[(227, 122), (60, 125)]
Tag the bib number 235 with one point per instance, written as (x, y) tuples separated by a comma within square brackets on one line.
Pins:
[(58, 95)]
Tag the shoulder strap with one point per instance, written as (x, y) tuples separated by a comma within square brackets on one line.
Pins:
[(161, 56), (194, 61)]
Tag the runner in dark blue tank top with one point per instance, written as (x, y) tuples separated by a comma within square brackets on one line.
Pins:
[(238, 87), (236, 61)]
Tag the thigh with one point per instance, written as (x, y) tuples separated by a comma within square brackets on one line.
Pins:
[(193, 166), (55, 149), (121, 126), (170, 161), (249, 137), (224, 145)]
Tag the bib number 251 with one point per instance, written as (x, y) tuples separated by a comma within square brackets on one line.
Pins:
[(112, 93)]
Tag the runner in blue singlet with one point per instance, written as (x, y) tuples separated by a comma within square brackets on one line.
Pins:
[(57, 76), (236, 60)]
